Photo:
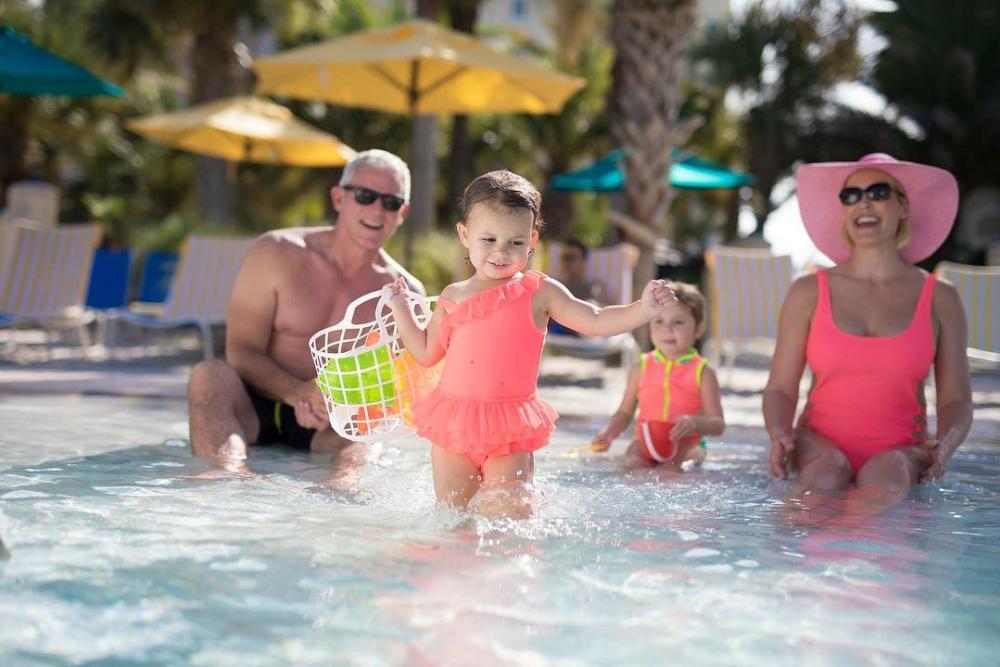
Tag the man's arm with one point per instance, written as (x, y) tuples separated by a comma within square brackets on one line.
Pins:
[(249, 325)]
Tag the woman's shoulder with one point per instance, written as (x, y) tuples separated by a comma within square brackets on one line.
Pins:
[(803, 290), (946, 299)]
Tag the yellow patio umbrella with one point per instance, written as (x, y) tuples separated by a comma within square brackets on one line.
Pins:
[(245, 129), (416, 67)]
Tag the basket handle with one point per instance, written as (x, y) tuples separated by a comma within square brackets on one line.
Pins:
[(412, 299)]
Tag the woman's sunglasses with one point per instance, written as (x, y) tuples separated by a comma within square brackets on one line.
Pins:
[(364, 196), (874, 192)]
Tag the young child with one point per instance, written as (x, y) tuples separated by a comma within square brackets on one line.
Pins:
[(485, 418), (677, 392)]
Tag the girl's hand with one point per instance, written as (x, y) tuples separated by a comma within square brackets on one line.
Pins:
[(684, 426), (395, 292), (782, 446), (600, 443), (655, 296)]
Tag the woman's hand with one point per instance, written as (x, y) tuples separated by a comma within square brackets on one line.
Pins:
[(655, 296), (782, 446), (938, 455)]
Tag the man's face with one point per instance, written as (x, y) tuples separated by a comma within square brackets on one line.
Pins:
[(371, 224)]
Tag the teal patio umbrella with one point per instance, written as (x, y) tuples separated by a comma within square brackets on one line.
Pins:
[(690, 173), (28, 70)]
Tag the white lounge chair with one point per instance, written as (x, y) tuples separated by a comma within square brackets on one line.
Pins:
[(43, 280), (199, 295), (979, 287), (746, 287)]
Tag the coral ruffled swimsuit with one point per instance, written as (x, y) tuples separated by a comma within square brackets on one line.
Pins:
[(486, 403), (867, 390)]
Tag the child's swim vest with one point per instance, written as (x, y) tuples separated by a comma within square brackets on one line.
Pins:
[(668, 388)]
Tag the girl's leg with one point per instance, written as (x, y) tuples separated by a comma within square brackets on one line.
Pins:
[(885, 479), (634, 457), (822, 467), (456, 479), (506, 490), (693, 453)]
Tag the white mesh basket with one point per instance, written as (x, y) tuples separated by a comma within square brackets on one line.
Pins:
[(368, 380)]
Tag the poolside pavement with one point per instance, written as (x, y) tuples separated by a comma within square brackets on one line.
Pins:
[(582, 389)]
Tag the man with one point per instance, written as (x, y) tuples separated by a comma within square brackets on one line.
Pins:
[(573, 274), (294, 282)]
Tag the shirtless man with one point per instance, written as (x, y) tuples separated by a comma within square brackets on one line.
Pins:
[(293, 283)]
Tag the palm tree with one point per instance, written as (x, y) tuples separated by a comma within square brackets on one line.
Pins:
[(651, 38)]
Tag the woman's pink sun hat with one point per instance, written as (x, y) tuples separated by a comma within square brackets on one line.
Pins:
[(931, 195)]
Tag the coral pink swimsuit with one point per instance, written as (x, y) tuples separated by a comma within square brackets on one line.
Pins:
[(668, 388), (486, 403), (867, 393)]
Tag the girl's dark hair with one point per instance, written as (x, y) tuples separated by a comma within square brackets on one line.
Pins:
[(504, 189)]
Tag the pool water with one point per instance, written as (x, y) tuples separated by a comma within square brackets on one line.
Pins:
[(118, 557)]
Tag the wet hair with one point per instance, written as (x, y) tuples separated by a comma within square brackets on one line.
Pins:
[(903, 231), (502, 189), (579, 245), (376, 158), (690, 296)]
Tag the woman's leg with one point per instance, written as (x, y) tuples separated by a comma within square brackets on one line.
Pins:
[(506, 490), (822, 467), (456, 478), (885, 479)]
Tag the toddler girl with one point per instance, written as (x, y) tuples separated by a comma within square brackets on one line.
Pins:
[(677, 392), (485, 418)]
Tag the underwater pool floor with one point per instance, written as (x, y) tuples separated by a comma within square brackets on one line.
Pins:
[(119, 557)]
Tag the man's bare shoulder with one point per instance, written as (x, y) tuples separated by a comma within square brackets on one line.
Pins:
[(396, 270)]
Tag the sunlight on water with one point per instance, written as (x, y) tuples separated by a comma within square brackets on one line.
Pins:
[(117, 555)]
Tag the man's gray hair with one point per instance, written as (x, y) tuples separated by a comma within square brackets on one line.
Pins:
[(377, 158)]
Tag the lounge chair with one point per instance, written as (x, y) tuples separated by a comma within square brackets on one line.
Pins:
[(611, 269), (746, 287), (200, 292), (979, 287), (45, 275), (109, 286)]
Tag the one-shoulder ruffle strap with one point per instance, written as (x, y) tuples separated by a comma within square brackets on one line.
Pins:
[(461, 423), (487, 301)]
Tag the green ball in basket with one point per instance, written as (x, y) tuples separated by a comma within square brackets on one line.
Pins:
[(362, 379)]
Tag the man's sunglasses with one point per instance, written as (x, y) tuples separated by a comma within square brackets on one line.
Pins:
[(364, 196), (874, 192)]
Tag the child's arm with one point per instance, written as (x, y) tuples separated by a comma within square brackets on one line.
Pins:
[(423, 344), (591, 320), (710, 421), (623, 415)]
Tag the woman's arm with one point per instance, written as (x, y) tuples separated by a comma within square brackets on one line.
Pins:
[(590, 320), (710, 421), (423, 344), (781, 395), (951, 379), (623, 415)]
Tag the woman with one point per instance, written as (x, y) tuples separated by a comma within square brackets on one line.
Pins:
[(870, 328)]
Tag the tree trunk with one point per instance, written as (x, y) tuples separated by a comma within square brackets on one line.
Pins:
[(15, 112), (650, 38), (463, 15), (215, 73)]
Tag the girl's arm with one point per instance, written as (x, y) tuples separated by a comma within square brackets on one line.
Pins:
[(590, 320), (710, 421), (623, 415), (951, 380), (781, 394), (423, 344)]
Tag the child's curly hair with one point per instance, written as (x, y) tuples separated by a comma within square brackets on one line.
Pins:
[(502, 188)]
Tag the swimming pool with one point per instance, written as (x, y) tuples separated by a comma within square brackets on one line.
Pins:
[(117, 559)]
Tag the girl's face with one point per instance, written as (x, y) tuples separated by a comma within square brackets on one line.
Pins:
[(498, 239), (872, 220), (674, 331)]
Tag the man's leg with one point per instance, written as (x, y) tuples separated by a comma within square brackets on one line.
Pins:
[(223, 422)]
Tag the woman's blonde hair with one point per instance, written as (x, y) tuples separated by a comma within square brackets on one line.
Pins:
[(903, 231)]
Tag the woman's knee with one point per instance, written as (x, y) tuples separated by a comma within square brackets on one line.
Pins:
[(893, 467)]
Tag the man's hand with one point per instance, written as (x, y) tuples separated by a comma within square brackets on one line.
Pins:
[(782, 446), (656, 296), (310, 408)]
